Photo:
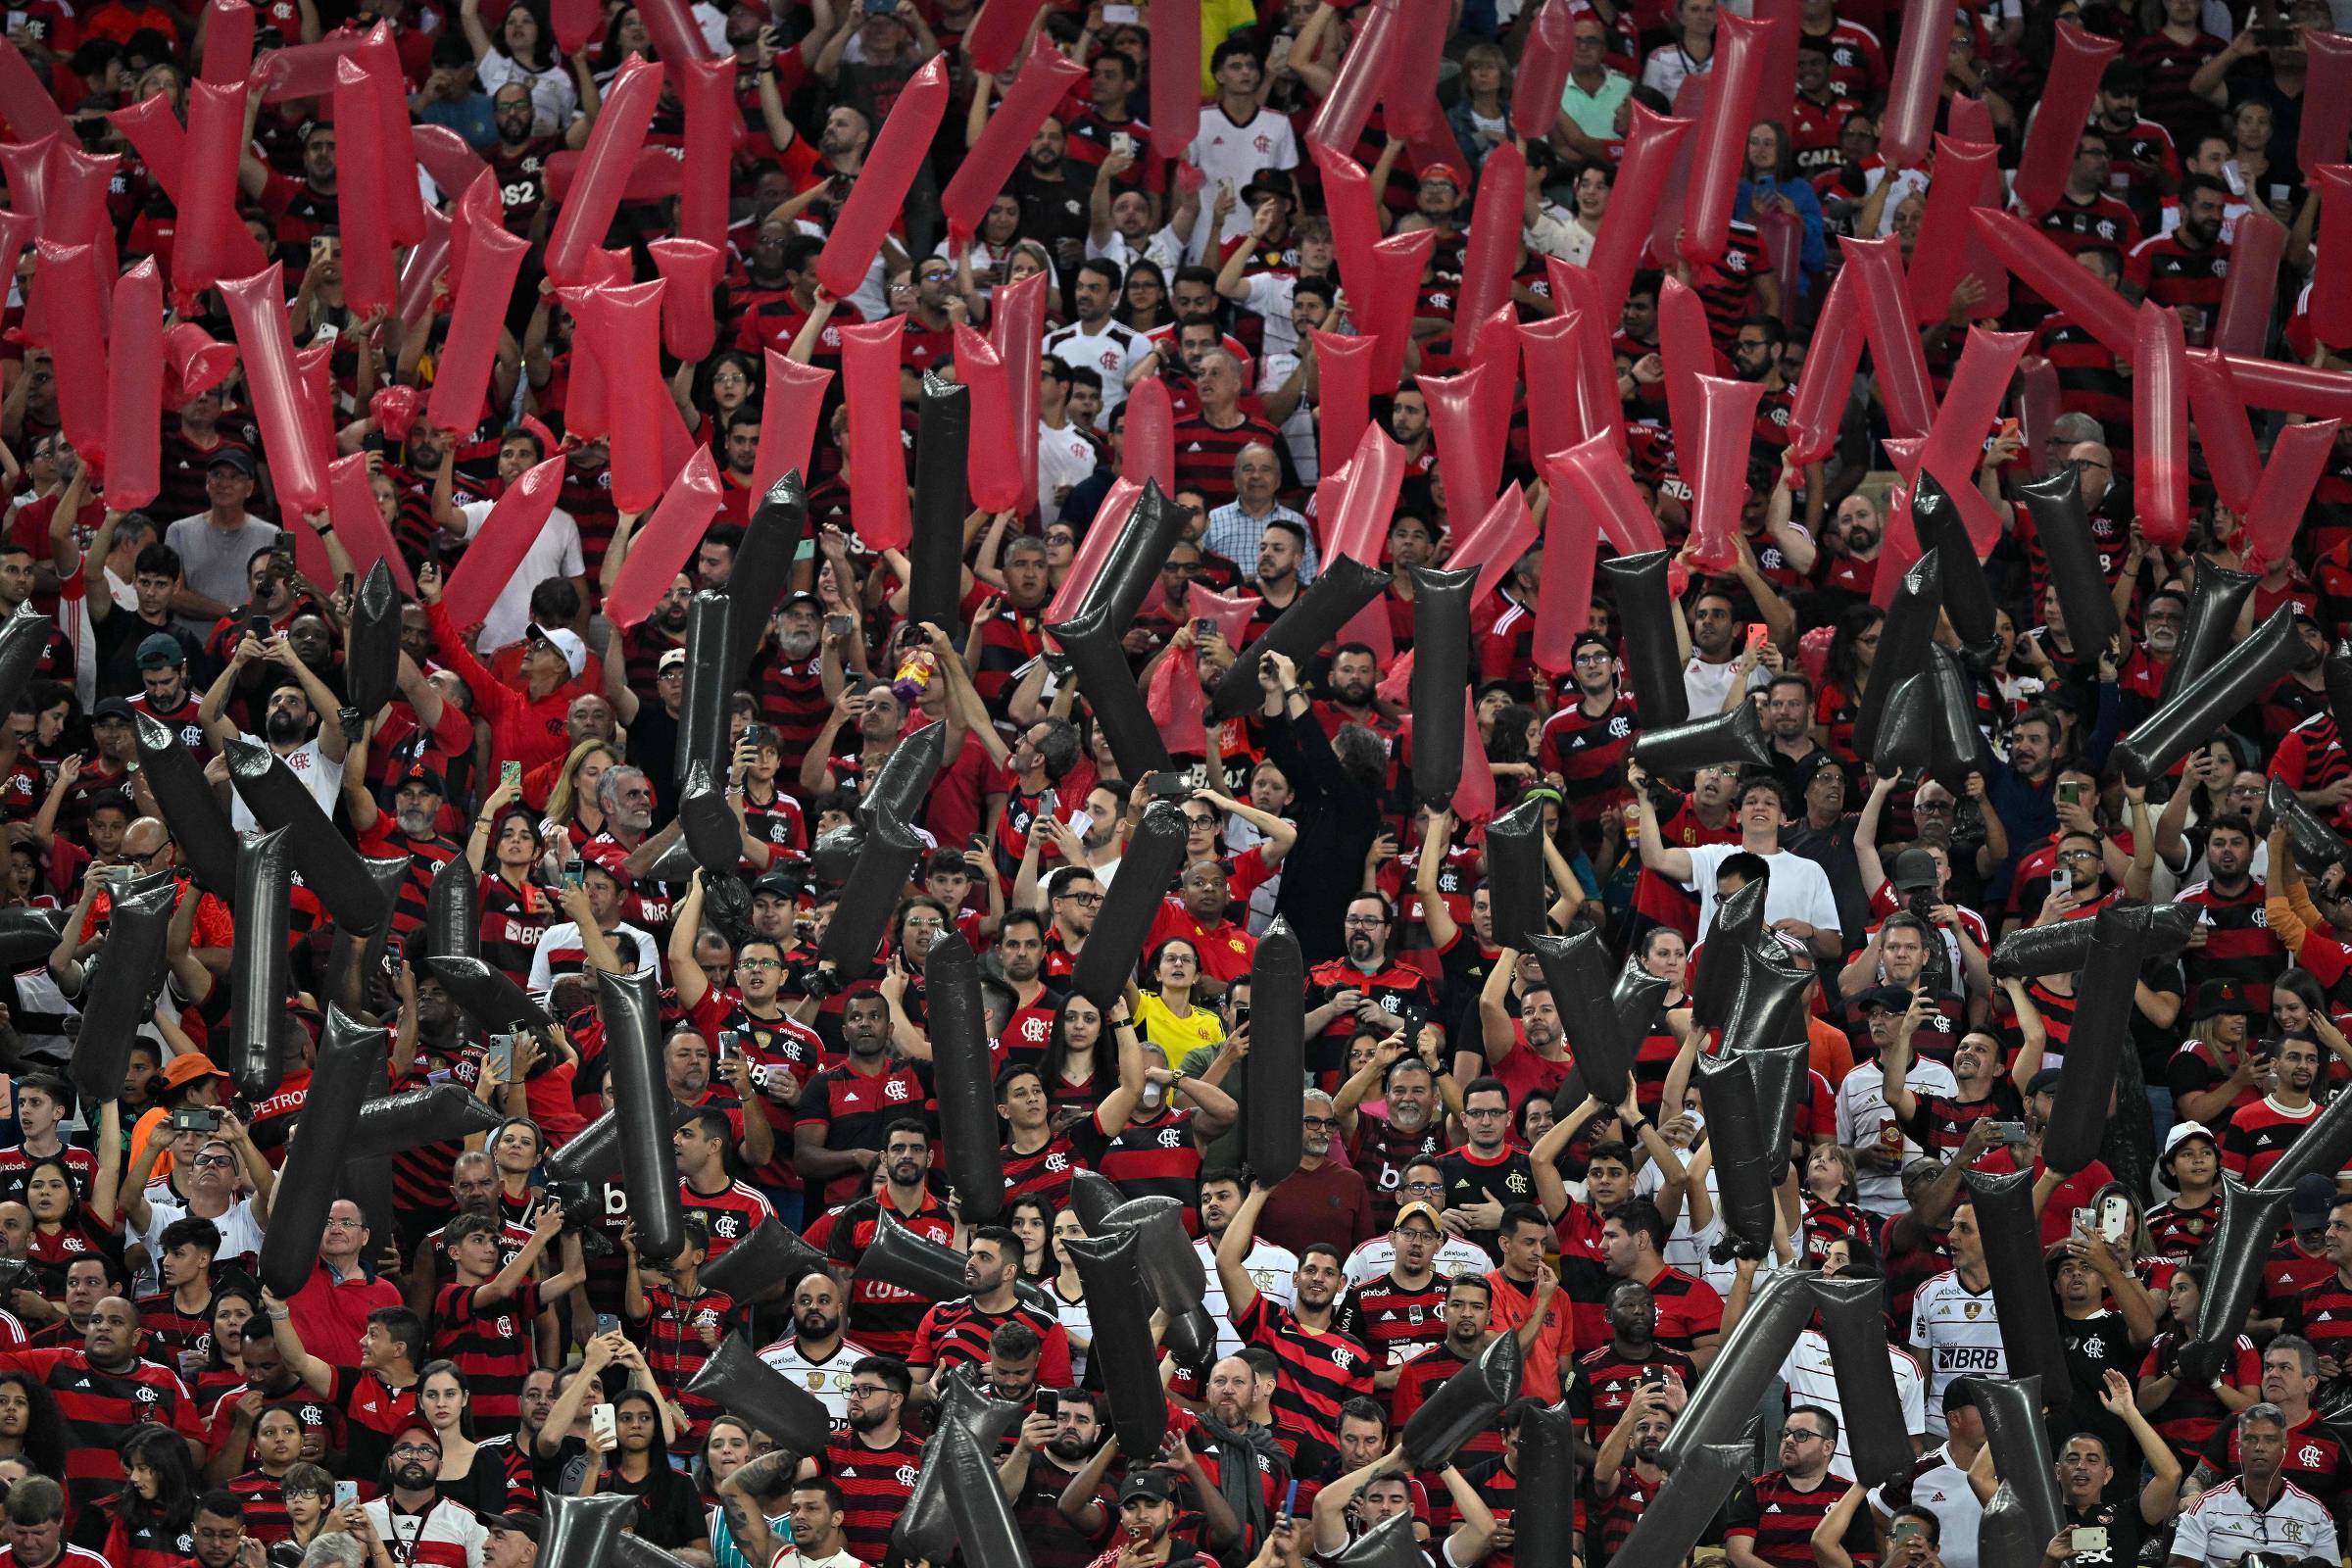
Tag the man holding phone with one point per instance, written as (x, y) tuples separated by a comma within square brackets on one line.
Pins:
[(296, 722)]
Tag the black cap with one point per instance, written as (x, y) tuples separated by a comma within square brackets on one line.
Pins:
[(1155, 1485), (231, 456), (2044, 1082), (525, 1525), (1894, 998), (114, 707), (2216, 996), (1914, 872)]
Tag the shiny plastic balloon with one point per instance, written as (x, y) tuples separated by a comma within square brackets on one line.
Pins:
[(447, 157), (2315, 843), (2217, 695), (1645, 613), (1684, 1508), (628, 325), (2021, 1279), (1514, 882), (917, 1264), (1276, 1067), (1112, 1271), (2327, 119), (986, 1533), (583, 1531), (1725, 425), (2293, 388), (903, 780), (2021, 1446), (371, 662), (27, 937), (2298, 457), (993, 39), (992, 462), (1906, 735), (713, 836), (1894, 353), (413, 1117), (31, 112), (709, 679), (1354, 218), (2063, 526), (2160, 427), (493, 261), (630, 1006), (2101, 1034), (1541, 75), (587, 212), (227, 40), (1155, 854), (1720, 154), (134, 389), (1106, 534), (330, 867), (1345, 587), (489, 997), (1491, 255), (870, 357), (1363, 71), (1344, 367), (1961, 587), (1046, 77), (1398, 264), (1903, 639), (1852, 1319), (1687, 350), (871, 896), (794, 396), (2215, 604), (2234, 1259), (1093, 1198), (1909, 117), (305, 69), (1578, 970), (736, 1379), (1099, 665), (1651, 143), (1469, 1401), (1958, 747), (452, 926), (348, 1071), (663, 545), (1780, 1305), (2056, 275), (1731, 739), (942, 455), (365, 176), (176, 781), (1408, 101), (1743, 1144), (1017, 328), (2223, 431), (714, 122), (691, 269), (960, 1061), (926, 1528), (74, 296), (119, 987), (504, 537), (2068, 93), (1564, 596), (880, 193), (1441, 678), (1148, 450), (1949, 243), (1955, 445), (764, 1265), (2250, 293), (1175, 86), (1717, 966), (1826, 385)]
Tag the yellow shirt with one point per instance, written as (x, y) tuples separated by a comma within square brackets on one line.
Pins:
[(1219, 21), (1174, 1035)]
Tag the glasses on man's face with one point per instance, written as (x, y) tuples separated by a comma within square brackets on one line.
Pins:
[(2081, 464), (1324, 1123), (421, 1450), (1082, 898), (2079, 857), (1416, 1233), (1424, 1187), (1364, 922), (212, 1161), (868, 1390), (753, 966), (1801, 1434), (1481, 1113)]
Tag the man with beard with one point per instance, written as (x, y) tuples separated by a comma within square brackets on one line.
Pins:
[(1050, 1449), (1626, 1474), (1485, 1176), (1381, 1147), (959, 1333), (1324, 1199), (2234, 940), (1240, 1466), (1393, 1314), (518, 158), (1053, 194), (1351, 683), (1528, 1053), (807, 666), (1318, 1365), (413, 1520), (885, 1317), (1365, 1498), (1770, 1519), (875, 1460), (1629, 1360), (164, 674), (1272, 1269), (1852, 537), (873, 711), (1718, 644), (1075, 895), (103, 1390), (1199, 912), (1094, 340), (292, 725), (2163, 615), (1281, 553), (818, 1357), (626, 797), (411, 830), (2262, 1134), (1369, 988), (1788, 727), (299, 210), (2184, 269), (1585, 742), (643, 644)]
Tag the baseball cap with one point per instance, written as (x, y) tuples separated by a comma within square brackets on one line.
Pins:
[(1445, 171), (1960, 1395), (186, 1069), (1269, 181), (2181, 1133), (161, 651), (777, 884), (1427, 1212), (1892, 999), (2314, 1195), (113, 708), (418, 773), (1914, 872), (567, 643), (514, 1524), (676, 658), (232, 457), (1152, 1483), (2044, 1082)]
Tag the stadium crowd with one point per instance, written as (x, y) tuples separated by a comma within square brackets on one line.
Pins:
[(474, 1341)]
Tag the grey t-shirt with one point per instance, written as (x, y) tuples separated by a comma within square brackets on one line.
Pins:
[(215, 559)]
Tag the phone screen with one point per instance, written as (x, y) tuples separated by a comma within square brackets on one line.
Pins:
[(509, 773), (1756, 633)]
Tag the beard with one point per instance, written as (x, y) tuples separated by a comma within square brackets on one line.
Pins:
[(412, 1477), (1354, 694), (868, 1420), (816, 1325), (796, 645), (672, 620), (1861, 541), (416, 824), (283, 728), (1071, 1448), (1361, 948)]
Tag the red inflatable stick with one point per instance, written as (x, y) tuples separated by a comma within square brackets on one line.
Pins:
[(1720, 151), (576, 24), (1826, 385), (2055, 276), (228, 42), (675, 35), (2297, 460), (2330, 303), (205, 241), (493, 259), (421, 269), (870, 358), (689, 318), (363, 183), (2039, 404), (2160, 427), (1495, 543), (1576, 291), (657, 175), (791, 399), (1554, 360), (2222, 432), (628, 324), (257, 308), (1956, 443), (1363, 73), (1948, 249), (712, 123), (882, 183), (1175, 79), (992, 462), (611, 153), (1019, 334), (1497, 357), (2251, 290), (1398, 264), (1910, 113), (1046, 77), (360, 522), (24, 103), (1355, 216), (1094, 547), (1149, 450), (1492, 253), (1564, 597), (2292, 388), (134, 389), (394, 408), (25, 166), (1543, 67), (1344, 368), (313, 374), (195, 363), (1651, 141), (480, 207), (1970, 119), (1408, 100), (661, 546), (1473, 797), (155, 133), (454, 164), (1453, 422), (2067, 96), (994, 38), (1356, 523), (1727, 420), (504, 537), (73, 297), (2327, 98), (305, 69), (1775, 82), (1687, 349), (1886, 324), (388, 102)]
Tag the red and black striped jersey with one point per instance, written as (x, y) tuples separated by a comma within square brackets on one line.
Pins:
[(171, 1331), (1315, 1373), (1687, 1308), (421, 1174), (853, 1106), (151, 1544), (2182, 1233), (1777, 1517), (1606, 1378), (2324, 1315), (1152, 1156), (1621, 1507), (2259, 1136), (2288, 1274), (956, 1334), (1832, 1223), (1726, 283), (2171, 273), (2189, 1419), (2238, 944), (512, 1240), (792, 701), (776, 822), (492, 1345), (512, 921), (1587, 750), (1381, 1150), (265, 1500), (1940, 1123), (1205, 453), (885, 1318), (2087, 381), (1394, 1321), (16, 1168), (99, 1408), (876, 1482), (1498, 1487), (731, 1212), (426, 856), (674, 1348), (1045, 1171)]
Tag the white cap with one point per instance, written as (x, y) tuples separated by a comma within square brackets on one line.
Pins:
[(565, 642)]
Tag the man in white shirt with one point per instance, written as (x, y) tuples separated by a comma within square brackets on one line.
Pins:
[(299, 723), (1869, 1126), (1955, 1327), (1812, 1380), (1938, 1483), (1069, 396), (1797, 901), (1239, 135), (1270, 1267), (555, 553), (818, 1357), (1104, 346)]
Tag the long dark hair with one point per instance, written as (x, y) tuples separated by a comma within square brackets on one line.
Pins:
[(1843, 667), (659, 1472), (213, 1360), (44, 1425), (1057, 1047), (165, 1453)]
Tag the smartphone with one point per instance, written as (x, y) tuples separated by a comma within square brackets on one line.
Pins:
[(195, 1118), (348, 581), (2115, 1218), (2089, 1537), (258, 628), (1048, 1401), (2009, 1132), (730, 1044), (1204, 627), (501, 1057), (1758, 631), (1289, 1499), (1905, 1530), (2085, 1219), (2264, 38), (606, 1322), (1122, 16), (346, 1493), (839, 626), (510, 774), (2061, 880), (1122, 144), (604, 1422), (574, 870), (2070, 791), (1172, 785)]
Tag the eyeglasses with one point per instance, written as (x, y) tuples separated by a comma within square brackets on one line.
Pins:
[(1418, 1233), (212, 1161), (868, 1390), (755, 965), (426, 1449), (1801, 1433), (1364, 922), (1424, 1187), (1487, 1110), (1319, 1121), (2080, 463), (2078, 855), (1081, 898)]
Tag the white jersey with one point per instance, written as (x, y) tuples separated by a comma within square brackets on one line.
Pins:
[(1866, 1121), (1935, 1483), (828, 1380), (2224, 1525), (1957, 1334), (1078, 1326), (1272, 1269), (1230, 154), (1112, 352), (1373, 1258), (1812, 1380)]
